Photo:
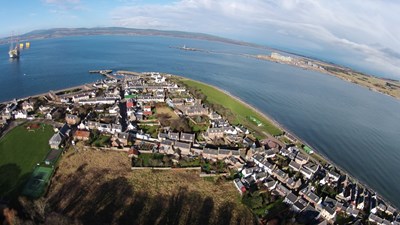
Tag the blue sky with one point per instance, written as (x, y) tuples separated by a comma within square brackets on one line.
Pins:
[(363, 34)]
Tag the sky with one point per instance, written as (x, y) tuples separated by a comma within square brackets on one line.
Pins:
[(361, 34)]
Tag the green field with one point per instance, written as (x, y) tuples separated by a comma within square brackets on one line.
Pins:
[(20, 151), (242, 113)]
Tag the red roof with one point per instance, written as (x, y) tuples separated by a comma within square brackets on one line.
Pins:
[(82, 133)]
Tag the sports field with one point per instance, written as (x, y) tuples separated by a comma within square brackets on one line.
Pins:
[(20, 150)]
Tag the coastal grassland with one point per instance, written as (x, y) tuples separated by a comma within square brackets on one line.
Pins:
[(101, 183), (20, 151), (241, 112)]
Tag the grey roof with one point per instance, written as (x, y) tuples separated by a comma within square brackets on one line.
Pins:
[(329, 210), (295, 165), (187, 137), (258, 157), (291, 197), (282, 189), (300, 203), (173, 136), (312, 196), (167, 142), (56, 139), (210, 151), (179, 144), (311, 166), (269, 152)]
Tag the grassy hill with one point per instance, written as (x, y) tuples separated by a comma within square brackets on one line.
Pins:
[(99, 187)]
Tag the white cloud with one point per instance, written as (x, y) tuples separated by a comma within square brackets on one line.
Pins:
[(365, 28)]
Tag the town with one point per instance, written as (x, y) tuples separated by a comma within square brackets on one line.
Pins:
[(161, 122)]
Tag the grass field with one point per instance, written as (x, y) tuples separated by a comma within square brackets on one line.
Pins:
[(241, 111), (20, 151)]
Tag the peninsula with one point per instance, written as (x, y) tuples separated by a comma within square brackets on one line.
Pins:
[(148, 147)]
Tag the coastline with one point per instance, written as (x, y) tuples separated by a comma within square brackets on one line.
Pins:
[(284, 129), (261, 114)]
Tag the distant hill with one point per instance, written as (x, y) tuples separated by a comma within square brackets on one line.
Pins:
[(64, 32)]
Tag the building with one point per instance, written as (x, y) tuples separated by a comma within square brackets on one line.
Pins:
[(214, 132), (183, 147), (82, 135), (186, 137), (72, 119), (56, 140), (239, 186)]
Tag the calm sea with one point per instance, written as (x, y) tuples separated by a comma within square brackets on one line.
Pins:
[(357, 129)]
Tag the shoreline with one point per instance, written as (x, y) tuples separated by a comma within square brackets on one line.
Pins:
[(284, 129), (266, 116)]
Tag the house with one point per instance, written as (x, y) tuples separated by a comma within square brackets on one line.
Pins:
[(210, 153), (328, 213), (182, 147), (230, 130), (282, 190), (116, 128), (268, 167), (310, 196), (82, 135), (294, 166), (270, 183), (249, 180), (352, 212), (311, 167), (166, 146), (299, 205), (72, 119), (260, 176), (333, 177), (27, 106), (196, 110), (186, 137), (306, 173), (120, 139), (162, 136), (214, 132), (247, 172), (280, 175), (147, 110), (173, 136), (301, 159), (292, 184), (239, 186), (375, 219), (214, 116), (269, 154), (20, 114), (290, 198), (390, 210), (56, 140)]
